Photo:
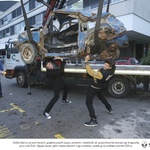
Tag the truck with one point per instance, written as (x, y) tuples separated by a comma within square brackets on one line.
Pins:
[(126, 78), (72, 35)]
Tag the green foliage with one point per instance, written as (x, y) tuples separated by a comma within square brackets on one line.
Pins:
[(146, 60)]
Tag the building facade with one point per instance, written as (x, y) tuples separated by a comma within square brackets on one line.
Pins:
[(130, 12)]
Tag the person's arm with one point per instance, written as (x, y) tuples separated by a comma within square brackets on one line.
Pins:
[(93, 73), (63, 62), (90, 71), (113, 68), (1, 66)]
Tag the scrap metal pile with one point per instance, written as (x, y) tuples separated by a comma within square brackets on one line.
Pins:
[(72, 34)]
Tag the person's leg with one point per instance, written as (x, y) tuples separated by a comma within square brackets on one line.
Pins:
[(0, 90), (52, 102), (104, 101), (89, 103), (65, 94)]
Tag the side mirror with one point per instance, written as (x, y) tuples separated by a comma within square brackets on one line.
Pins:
[(6, 46)]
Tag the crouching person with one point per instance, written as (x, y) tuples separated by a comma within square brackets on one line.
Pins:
[(100, 81), (54, 73)]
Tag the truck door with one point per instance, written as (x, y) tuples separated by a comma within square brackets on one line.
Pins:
[(12, 57)]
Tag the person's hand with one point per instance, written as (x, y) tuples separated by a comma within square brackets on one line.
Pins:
[(2, 73), (57, 57), (87, 58)]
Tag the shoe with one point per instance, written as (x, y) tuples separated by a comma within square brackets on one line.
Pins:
[(66, 102), (47, 115), (92, 123), (110, 111)]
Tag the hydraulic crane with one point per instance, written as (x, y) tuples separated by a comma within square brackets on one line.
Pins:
[(51, 4)]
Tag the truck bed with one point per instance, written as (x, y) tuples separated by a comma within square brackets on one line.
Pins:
[(143, 70)]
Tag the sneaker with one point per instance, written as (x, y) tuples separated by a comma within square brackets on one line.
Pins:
[(110, 111), (92, 123), (47, 115), (66, 102)]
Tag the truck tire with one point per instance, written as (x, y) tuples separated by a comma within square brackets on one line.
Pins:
[(118, 87), (21, 79), (28, 53)]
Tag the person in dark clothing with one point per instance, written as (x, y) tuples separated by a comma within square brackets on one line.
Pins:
[(100, 81), (54, 73), (2, 73)]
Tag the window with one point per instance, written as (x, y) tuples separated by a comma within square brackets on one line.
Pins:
[(22, 24), (78, 5), (18, 27), (114, 1), (5, 20), (1, 22), (26, 6), (32, 21), (7, 32), (31, 4), (111, 1), (70, 2), (75, 4), (9, 17), (69, 7), (14, 14), (12, 30), (105, 2), (37, 4), (94, 3), (88, 4), (1, 34), (18, 11), (39, 20)]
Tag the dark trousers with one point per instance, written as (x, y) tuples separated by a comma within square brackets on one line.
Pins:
[(146, 83), (0, 88), (56, 97), (89, 100)]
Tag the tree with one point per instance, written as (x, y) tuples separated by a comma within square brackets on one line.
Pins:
[(146, 60)]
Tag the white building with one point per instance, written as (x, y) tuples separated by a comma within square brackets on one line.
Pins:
[(133, 13)]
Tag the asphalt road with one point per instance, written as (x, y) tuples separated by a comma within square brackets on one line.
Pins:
[(21, 114)]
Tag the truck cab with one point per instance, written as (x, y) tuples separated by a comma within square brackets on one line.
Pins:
[(13, 64), (12, 57)]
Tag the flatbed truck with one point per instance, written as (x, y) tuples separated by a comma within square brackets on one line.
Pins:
[(126, 77)]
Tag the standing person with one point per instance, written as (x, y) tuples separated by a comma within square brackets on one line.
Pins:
[(1, 72), (54, 73), (100, 81)]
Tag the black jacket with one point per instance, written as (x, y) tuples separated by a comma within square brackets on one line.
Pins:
[(100, 78), (55, 76), (104, 82)]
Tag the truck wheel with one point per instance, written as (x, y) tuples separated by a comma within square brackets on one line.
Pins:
[(21, 79), (28, 53), (118, 87)]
